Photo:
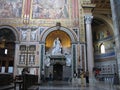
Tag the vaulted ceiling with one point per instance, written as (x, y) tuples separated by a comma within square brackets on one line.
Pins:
[(103, 7)]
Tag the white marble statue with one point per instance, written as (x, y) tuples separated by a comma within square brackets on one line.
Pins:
[(57, 47), (68, 59), (33, 34), (24, 34), (47, 61)]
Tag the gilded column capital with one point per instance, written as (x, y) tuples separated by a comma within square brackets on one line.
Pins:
[(88, 19)]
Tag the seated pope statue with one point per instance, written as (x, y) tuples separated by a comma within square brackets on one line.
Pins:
[(56, 47)]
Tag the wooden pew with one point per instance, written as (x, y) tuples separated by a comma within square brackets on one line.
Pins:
[(6, 80), (30, 82), (18, 80)]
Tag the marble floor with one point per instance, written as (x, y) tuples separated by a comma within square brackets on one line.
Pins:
[(62, 85), (58, 85)]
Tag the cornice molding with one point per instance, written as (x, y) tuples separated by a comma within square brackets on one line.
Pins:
[(88, 8)]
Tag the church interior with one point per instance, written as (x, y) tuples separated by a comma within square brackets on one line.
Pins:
[(60, 38)]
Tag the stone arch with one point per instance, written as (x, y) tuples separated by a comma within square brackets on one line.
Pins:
[(9, 47), (13, 29), (71, 33), (101, 19), (72, 37), (105, 19)]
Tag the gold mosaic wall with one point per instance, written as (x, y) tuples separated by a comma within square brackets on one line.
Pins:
[(43, 13)]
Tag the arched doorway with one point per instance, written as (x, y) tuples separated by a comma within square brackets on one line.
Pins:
[(57, 71), (7, 50)]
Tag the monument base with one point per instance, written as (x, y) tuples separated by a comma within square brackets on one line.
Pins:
[(58, 59)]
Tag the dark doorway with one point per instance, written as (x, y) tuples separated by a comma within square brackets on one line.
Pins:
[(57, 71), (7, 50)]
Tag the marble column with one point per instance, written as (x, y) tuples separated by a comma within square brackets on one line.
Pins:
[(90, 59), (16, 58), (115, 7)]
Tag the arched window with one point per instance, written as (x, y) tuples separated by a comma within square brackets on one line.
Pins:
[(102, 48), (6, 51)]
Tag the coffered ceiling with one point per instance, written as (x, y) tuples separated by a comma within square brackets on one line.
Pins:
[(102, 6)]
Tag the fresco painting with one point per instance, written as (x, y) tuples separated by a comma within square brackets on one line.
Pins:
[(50, 9), (11, 8)]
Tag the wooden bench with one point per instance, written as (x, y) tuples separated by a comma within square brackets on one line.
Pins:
[(6, 81), (30, 82), (18, 81), (7, 87), (33, 88)]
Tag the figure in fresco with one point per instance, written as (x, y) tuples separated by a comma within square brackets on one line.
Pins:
[(24, 34), (107, 33), (65, 10), (18, 9), (57, 47), (33, 34), (36, 9), (10, 8), (101, 35), (48, 9)]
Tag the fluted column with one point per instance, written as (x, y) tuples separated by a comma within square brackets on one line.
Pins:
[(90, 59)]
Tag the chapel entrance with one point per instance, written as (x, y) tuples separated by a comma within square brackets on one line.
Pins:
[(7, 50), (57, 71)]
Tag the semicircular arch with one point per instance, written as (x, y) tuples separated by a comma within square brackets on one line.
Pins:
[(71, 33), (106, 20)]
